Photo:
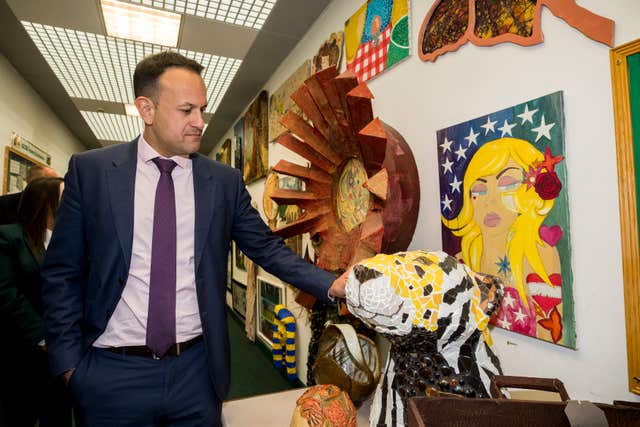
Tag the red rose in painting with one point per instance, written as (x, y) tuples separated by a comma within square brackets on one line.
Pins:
[(548, 185)]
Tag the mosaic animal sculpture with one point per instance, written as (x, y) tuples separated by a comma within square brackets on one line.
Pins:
[(435, 312)]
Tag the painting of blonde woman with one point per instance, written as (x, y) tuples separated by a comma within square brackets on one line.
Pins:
[(504, 210)]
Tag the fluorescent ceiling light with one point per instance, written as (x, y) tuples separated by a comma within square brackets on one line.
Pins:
[(93, 66), (219, 10), (131, 110), (114, 127), (144, 24)]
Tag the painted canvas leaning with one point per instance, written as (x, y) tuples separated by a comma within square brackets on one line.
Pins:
[(503, 195)]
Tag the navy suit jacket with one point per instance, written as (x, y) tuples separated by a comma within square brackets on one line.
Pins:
[(87, 261)]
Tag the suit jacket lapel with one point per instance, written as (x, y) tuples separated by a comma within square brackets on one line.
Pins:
[(204, 187), (122, 184)]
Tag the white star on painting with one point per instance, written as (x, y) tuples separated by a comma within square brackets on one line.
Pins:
[(489, 126), (446, 145), (504, 323), (447, 165), (446, 203), (508, 300), (460, 152), (471, 138), (543, 129), (506, 128), (455, 185), (520, 316), (527, 116)]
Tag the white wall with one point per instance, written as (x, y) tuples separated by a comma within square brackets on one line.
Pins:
[(24, 112), (418, 98)]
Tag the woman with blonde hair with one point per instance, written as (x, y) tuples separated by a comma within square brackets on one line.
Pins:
[(509, 189)]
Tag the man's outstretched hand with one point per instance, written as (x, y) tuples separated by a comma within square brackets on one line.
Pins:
[(337, 289)]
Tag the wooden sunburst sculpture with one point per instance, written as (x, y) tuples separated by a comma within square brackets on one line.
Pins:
[(362, 191)]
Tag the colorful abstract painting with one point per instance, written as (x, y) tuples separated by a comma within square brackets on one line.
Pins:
[(377, 37), (451, 23), (503, 200), (238, 143), (281, 101), (256, 139), (330, 53)]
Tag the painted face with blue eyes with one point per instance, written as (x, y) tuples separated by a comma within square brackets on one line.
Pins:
[(492, 198)]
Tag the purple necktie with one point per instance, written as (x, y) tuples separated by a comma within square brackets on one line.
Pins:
[(161, 322)]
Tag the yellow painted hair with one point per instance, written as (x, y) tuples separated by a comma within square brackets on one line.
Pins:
[(522, 237)]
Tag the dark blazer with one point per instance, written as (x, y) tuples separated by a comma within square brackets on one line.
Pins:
[(9, 208), (20, 303), (87, 261)]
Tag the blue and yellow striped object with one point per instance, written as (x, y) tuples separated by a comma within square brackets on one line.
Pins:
[(284, 332)]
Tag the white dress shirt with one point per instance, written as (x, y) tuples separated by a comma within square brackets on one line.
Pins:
[(128, 324)]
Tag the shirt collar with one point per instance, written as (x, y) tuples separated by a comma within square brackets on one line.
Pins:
[(146, 153)]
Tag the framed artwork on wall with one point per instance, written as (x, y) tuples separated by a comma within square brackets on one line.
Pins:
[(238, 143), (238, 258), (281, 102), (229, 270), (329, 53), (224, 155), (256, 139), (505, 212), (16, 165), (282, 215), (239, 298), (625, 75), (450, 24), (269, 295), (377, 37)]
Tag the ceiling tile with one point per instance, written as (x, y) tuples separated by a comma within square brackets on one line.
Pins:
[(236, 11), (113, 127), (93, 66)]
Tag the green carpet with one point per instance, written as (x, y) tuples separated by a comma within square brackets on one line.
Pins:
[(252, 371)]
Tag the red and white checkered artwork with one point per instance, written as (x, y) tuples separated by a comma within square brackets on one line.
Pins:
[(371, 57)]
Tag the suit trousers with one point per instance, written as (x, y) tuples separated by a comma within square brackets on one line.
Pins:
[(112, 389)]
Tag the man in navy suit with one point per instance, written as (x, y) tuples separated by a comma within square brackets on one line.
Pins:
[(134, 275)]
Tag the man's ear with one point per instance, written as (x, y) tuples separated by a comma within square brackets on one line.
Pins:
[(146, 109)]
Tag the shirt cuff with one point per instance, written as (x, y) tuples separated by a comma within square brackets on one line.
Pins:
[(332, 299)]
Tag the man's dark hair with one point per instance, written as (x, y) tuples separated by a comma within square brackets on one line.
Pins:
[(149, 70)]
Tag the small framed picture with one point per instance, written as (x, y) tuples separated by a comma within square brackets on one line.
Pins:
[(239, 298), (229, 271), (239, 258), (269, 295)]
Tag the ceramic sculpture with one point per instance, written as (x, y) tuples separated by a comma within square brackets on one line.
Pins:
[(324, 406), (435, 312)]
